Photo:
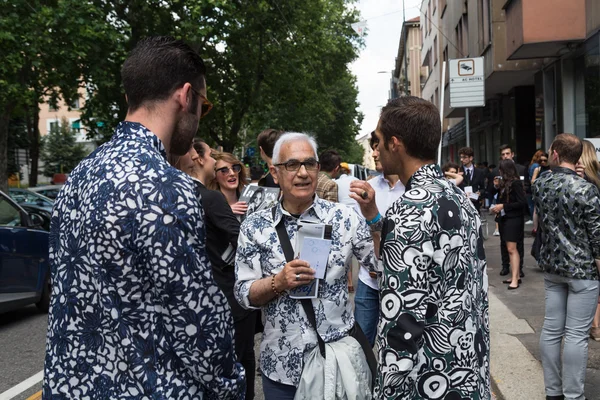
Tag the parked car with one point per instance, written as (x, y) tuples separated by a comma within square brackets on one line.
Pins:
[(50, 191), (24, 265), (26, 197)]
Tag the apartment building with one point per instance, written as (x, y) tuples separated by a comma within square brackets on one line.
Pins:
[(566, 35), (408, 76), (430, 55)]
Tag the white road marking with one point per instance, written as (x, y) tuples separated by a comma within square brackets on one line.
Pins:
[(23, 386)]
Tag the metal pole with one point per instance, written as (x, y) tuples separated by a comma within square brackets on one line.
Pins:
[(405, 50), (442, 85), (467, 121)]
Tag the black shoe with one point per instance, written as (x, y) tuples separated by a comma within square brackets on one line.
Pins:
[(504, 271), (521, 274), (513, 287), (555, 397), (509, 281)]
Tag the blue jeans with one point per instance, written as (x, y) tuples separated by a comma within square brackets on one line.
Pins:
[(570, 308), (366, 310), (277, 391)]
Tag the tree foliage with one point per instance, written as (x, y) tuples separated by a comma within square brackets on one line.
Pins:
[(270, 63), (61, 152)]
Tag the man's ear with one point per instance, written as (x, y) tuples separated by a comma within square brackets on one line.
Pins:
[(395, 144), (273, 171), (184, 96)]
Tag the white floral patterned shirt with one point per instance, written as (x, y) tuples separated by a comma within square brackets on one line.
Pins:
[(135, 312), (288, 334)]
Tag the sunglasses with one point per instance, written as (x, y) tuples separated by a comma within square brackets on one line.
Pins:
[(235, 168), (542, 160), (294, 165), (206, 105)]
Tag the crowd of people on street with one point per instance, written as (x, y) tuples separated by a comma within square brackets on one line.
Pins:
[(163, 271)]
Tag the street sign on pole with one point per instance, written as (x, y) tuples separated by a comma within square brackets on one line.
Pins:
[(467, 82)]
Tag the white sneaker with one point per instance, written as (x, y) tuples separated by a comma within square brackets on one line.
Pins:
[(529, 222), (496, 233)]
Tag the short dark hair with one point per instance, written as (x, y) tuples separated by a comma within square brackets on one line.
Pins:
[(158, 66), (329, 159), (374, 140), (266, 140), (467, 151), (568, 146), (449, 165), (506, 146), (414, 121)]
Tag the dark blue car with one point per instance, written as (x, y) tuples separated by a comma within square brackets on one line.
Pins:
[(24, 266)]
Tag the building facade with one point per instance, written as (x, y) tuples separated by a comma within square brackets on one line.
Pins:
[(407, 76)]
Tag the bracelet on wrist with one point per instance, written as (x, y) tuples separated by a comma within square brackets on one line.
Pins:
[(277, 293), (374, 220)]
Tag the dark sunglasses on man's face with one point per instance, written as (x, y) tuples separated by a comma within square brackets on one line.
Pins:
[(206, 105), (294, 165), (543, 160), (236, 168)]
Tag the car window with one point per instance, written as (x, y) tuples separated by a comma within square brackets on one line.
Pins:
[(9, 214)]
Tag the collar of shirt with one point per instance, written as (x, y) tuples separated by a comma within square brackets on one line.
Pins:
[(315, 210), (563, 170), (426, 173), (128, 130), (384, 183)]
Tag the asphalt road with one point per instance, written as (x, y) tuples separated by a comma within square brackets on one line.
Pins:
[(22, 347)]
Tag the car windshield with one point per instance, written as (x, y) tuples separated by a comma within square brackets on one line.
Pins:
[(28, 197)]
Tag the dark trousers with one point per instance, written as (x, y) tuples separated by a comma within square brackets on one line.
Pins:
[(504, 253), (244, 349), (277, 391)]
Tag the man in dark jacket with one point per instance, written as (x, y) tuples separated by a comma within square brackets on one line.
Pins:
[(473, 177), (507, 153)]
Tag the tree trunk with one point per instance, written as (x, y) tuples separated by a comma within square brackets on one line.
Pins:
[(4, 119), (33, 130)]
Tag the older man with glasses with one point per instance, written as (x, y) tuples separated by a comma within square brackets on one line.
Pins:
[(266, 273)]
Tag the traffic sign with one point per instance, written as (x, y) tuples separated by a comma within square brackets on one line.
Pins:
[(250, 151), (467, 82)]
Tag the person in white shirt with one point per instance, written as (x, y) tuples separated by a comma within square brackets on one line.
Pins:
[(343, 184), (388, 189)]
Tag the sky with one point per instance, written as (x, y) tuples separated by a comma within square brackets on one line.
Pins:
[(384, 25)]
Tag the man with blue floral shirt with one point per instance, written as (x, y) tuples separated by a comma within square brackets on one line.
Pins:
[(135, 312), (264, 277), (433, 334)]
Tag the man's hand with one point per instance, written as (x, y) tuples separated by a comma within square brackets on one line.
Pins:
[(295, 273), (239, 208), (363, 193)]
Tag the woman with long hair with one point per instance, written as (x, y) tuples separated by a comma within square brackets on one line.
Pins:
[(544, 166), (230, 179), (588, 168), (510, 214)]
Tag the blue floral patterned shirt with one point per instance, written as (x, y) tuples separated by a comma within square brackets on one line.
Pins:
[(135, 312), (288, 335)]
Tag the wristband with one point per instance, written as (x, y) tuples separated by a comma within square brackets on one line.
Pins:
[(273, 286), (374, 220)]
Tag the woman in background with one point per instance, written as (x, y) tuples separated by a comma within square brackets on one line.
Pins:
[(588, 168), (230, 179), (450, 171), (222, 230), (510, 215)]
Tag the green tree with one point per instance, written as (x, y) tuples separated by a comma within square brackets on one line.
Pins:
[(61, 152)]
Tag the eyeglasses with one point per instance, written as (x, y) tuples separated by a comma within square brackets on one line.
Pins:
[(542, 160), (235, 168), (311, 165), (206, 105)]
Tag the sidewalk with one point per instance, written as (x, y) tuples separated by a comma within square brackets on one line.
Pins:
[(516, 319)]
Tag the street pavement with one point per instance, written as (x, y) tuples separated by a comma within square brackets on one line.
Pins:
[(516, 320)]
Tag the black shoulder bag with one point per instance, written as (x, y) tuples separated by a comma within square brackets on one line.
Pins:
[(356, 332)]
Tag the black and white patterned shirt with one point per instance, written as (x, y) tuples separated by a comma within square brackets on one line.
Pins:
[(433, 334), (135, 312)]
